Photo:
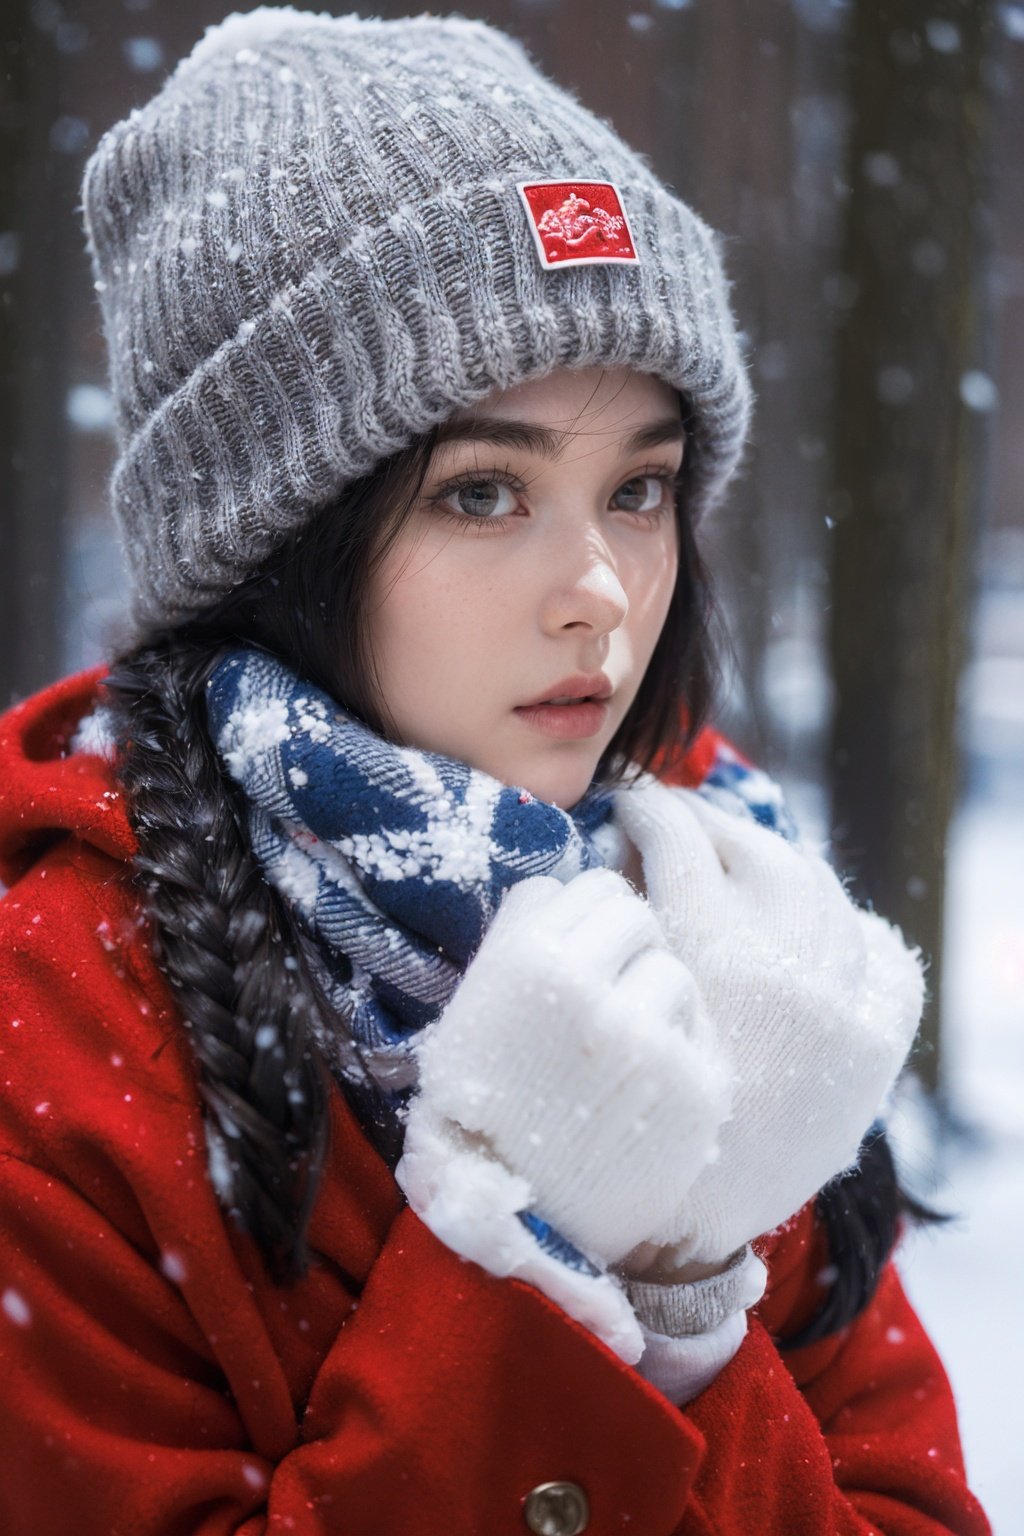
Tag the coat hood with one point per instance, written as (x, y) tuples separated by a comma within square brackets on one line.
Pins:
[(55, 780)]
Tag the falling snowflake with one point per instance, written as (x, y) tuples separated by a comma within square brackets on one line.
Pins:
[(173, 1266), (978, 390), (16, 1307)]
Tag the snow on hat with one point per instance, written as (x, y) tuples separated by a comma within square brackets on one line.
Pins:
[(324, 235)]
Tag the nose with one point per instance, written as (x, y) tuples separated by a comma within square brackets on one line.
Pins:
[(584, 589)]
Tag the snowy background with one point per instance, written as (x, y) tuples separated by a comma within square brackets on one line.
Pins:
[(964, 1277)]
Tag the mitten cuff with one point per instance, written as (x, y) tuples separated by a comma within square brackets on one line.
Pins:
[(699, 1306), (692, 1330)]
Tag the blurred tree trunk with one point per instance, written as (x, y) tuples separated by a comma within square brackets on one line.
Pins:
[(741, 169), (906, 455), (35, 204)]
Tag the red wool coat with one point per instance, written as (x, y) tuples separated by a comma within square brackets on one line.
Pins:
[(155, 1382)]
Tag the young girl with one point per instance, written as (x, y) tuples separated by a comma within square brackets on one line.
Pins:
[(424, 1040)]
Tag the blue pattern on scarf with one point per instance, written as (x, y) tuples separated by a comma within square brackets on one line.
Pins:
[(394, 858), (395, 861), (741, 787)]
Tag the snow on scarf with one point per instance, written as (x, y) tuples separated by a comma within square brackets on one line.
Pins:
[(394, 862)]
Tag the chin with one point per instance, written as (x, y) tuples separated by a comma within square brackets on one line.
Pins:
[(563, 785)]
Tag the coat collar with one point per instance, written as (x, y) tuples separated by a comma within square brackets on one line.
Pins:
[(47, 790)]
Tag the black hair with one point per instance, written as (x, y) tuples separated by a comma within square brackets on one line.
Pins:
[(226, 940), (861, 1211)]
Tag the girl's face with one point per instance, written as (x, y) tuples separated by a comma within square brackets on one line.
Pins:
[(513, 618)]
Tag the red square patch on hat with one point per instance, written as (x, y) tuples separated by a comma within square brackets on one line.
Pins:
[(574, 223)]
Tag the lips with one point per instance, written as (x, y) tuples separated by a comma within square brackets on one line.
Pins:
[(590, 686)]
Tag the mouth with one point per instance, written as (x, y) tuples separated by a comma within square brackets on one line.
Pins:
[(582, 688), (572, 710)]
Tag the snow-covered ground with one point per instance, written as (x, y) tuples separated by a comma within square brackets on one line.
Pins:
[(965, 1279)]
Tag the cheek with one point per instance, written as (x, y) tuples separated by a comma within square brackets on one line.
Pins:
[(403, 622), (650, 585), (427, 626)]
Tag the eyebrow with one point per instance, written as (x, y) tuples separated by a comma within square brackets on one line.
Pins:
[(536, 439)]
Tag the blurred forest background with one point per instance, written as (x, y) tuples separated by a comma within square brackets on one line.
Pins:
[(862, 160)]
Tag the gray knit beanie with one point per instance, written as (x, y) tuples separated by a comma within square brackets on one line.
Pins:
[(312, 245)]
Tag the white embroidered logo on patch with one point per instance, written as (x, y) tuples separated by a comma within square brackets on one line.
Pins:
[(574, 223)]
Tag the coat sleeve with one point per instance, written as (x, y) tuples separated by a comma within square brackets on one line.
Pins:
[(155, 1382), (853, 1436)]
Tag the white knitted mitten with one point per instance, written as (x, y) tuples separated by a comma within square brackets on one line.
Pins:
[(576, 1053), (813, 1001)]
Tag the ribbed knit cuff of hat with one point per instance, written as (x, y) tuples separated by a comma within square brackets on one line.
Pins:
[(692, 1330)]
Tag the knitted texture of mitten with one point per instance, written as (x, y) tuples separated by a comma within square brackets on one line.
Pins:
[(573, 1073), (813, 1002)]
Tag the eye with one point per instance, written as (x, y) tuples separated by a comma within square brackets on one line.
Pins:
[(478, 498), (484, 498), (644, 493)]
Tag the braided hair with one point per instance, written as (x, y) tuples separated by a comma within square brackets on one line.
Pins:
[(227, 946), (228, 942)]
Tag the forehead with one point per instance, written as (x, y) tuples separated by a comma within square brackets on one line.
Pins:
[(616, 405), (572, 396)]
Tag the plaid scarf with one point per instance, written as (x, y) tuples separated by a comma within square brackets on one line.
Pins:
[(394, 862)]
